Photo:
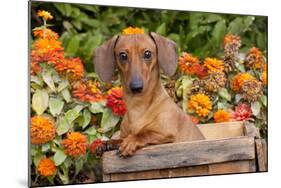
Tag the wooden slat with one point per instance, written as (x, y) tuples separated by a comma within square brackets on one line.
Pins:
[(251, 130), (218, 168), (261, 149), (181, 155), (222, 130)]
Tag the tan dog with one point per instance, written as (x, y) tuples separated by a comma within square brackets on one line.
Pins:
[(152, 116)]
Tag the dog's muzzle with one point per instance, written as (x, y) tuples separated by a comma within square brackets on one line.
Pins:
[(136, 86)]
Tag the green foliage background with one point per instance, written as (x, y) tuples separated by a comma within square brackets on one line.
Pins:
[(84, 27)]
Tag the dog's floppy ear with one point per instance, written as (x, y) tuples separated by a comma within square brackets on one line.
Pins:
[(166, 52), (104, 60)]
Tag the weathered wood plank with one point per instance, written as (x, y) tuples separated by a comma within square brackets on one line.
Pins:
[(251, 130), (182, 154), (218, 168), (222, 130), (261, 149)]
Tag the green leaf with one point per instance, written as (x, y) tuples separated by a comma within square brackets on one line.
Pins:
[(72, 114), (240, 67), (37, 159), (264, 100), (91, 131), (256, 107), (36, 80), (56, 106), (45, 147), (59, 157), (73, 45), (66, 95), (62, 85), (97, 107), (236, 26), (108, 121), (219, 32), (40, 101), (161, 29), (86, 117), (63, 126), (78, 165), (224, 94), (47, 77)]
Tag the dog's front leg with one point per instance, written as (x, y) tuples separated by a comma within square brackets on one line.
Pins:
[(133, 142)]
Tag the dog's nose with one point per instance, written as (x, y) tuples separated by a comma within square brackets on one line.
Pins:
[(136, 86)]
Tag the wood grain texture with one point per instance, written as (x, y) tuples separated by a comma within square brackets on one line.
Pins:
[(251, 130), (261, 149), (218, 168), (183, 154), (222, 130)]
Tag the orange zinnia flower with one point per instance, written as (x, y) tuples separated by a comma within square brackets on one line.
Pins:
[(45, 15), (75, 144), (42, 130), (189, 64), (214, 65), (132, 30), (221, 116), (239, 80), (87, 91), (72, 67), (45, 33), (200, 103), (46, 167), (43, 45)]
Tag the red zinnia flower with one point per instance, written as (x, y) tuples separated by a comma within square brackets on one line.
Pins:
[(242, 112), (94, 145), (115, 101)]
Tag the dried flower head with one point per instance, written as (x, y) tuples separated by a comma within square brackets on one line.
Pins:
[(45, 14), (132, 30), (239, 79), (200, 104), (213, 65), (215, 81), (115, 101), (242, 112), (251, 90), (42, 130), (254, 59), (46, 167), (189, 64), (75, 144), (221, 116)]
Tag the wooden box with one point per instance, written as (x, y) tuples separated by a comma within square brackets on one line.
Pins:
[(233, 147)]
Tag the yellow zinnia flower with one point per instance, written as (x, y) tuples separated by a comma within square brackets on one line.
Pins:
[(200, 103), (132, 30), (214, 65), (45, 15)]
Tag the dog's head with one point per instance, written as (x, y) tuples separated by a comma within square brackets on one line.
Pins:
[(136, 56)]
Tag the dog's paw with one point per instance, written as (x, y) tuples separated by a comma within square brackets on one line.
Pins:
[(129, 146)]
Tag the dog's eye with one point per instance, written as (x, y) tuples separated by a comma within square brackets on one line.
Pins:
[(123, 56), (147, 55)]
